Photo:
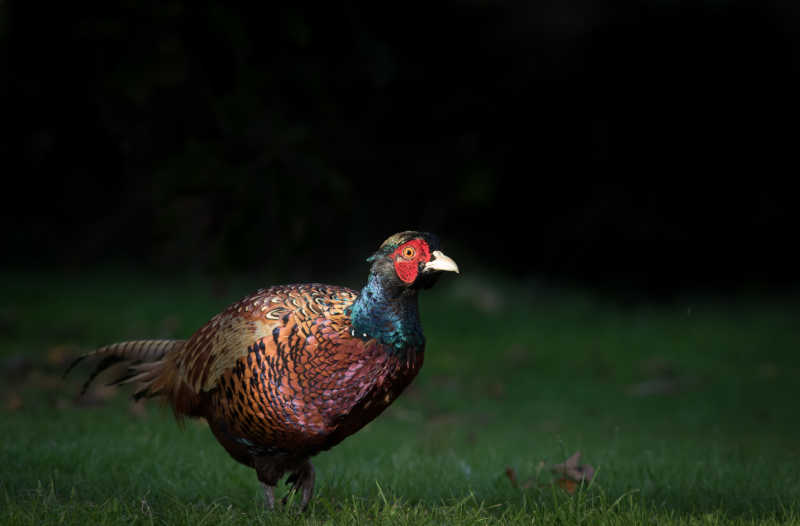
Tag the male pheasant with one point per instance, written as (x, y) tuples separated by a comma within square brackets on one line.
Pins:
[(292, 370)]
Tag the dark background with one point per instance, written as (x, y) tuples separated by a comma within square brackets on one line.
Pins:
[(199, 136)]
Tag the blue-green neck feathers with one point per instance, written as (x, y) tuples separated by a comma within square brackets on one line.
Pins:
[(390, 319)]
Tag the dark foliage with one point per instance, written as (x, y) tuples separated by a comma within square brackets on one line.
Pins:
[(206, 136)]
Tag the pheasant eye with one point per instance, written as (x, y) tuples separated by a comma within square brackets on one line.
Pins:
[(409, 252)]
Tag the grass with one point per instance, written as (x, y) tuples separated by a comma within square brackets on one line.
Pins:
[(687, 410)]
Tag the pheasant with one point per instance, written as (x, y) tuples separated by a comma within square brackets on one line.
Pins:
[(293, 370)]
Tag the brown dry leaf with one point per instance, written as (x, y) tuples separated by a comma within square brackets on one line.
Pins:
[(512, 476), (570, 474), (567, 485), (573, 470)]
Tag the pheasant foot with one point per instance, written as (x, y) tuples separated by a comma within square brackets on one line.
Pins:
[(302, 479)]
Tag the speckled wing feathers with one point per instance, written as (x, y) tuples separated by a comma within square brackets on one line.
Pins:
[(215, 348), (280, 371)]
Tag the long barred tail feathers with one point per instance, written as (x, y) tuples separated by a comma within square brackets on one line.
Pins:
[(144, 357)]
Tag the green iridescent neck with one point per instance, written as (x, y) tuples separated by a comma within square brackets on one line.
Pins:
[(389, 316)]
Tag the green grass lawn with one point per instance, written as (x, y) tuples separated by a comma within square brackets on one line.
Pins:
[(687, 411)]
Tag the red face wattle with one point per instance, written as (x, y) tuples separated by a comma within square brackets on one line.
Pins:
[(407, 258)]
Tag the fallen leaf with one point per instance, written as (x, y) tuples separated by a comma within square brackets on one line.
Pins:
[(573, 470), (512, 476), (568, 485), (570, 474)]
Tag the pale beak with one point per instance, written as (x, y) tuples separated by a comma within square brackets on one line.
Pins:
[(440, 262)]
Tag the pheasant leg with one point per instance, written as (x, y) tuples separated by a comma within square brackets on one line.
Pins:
[(269, 496), (302, 479)]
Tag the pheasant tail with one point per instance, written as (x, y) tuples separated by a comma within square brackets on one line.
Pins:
[(149, 365)]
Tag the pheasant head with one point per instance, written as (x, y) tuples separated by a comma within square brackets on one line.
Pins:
[(410, 260), (387, 309)]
